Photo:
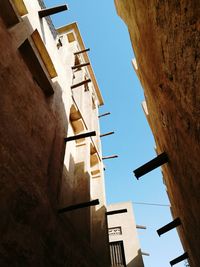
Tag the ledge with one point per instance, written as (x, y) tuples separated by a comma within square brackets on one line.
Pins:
[(20, 6), (44, 54)]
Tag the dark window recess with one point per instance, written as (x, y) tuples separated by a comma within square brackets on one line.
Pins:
[(117, 254), (29, 56), (8, 13)]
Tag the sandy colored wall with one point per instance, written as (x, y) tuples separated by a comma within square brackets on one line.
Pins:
[(165, 37), (39, 173)]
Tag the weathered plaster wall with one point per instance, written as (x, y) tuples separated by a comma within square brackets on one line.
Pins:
[(39, 173), (165, 36)]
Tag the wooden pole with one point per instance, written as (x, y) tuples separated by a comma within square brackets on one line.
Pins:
[(141, 227), (169, 226), (51, 11), (81, 83), (151, 165), (82, 51), (105, 114), (106, 134), (79, 136), (183, 257), (110, 157), (80, 65), (80, 206), (145, 254), (116, 211)]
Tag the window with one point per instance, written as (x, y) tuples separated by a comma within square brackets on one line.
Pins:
[(115, 231), (34, 65), (117, 254), (70, 37)]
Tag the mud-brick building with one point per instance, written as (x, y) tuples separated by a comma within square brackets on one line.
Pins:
[(165, 36), (123, 238), (49, 97)]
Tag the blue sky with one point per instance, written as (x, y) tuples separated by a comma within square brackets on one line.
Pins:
[(111, 54)]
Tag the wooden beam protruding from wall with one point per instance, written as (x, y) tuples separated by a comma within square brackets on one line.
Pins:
[(51, 11), (112, 212), (183, 257), (145, 253), (80, 136), (110, 157), (141, 227), (81, 51), (80, 65), (104, 114), (81, 83), (106, 134), (151, 165), (176, 222), (79, 206)]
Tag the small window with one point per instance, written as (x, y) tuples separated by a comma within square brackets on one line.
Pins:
[(33, 63), (115, 231), (70, 37), (117, 254)]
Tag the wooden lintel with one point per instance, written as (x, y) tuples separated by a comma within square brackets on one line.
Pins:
[(112, 212), (82, 51), (151, 165), (80, 65), (51, 11), (79, 206), (80, 136), (81, 83)]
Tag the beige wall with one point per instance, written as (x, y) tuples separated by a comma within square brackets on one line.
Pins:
[(50, 174), (165, 38)]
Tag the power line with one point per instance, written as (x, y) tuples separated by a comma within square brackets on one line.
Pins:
[(151, 204)]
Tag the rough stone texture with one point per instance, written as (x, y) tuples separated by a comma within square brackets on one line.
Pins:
[(31, 162), (165, 36)]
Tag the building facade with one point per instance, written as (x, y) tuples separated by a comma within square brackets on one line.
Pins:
[(123, 239), (49, 175), (165, 37)]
